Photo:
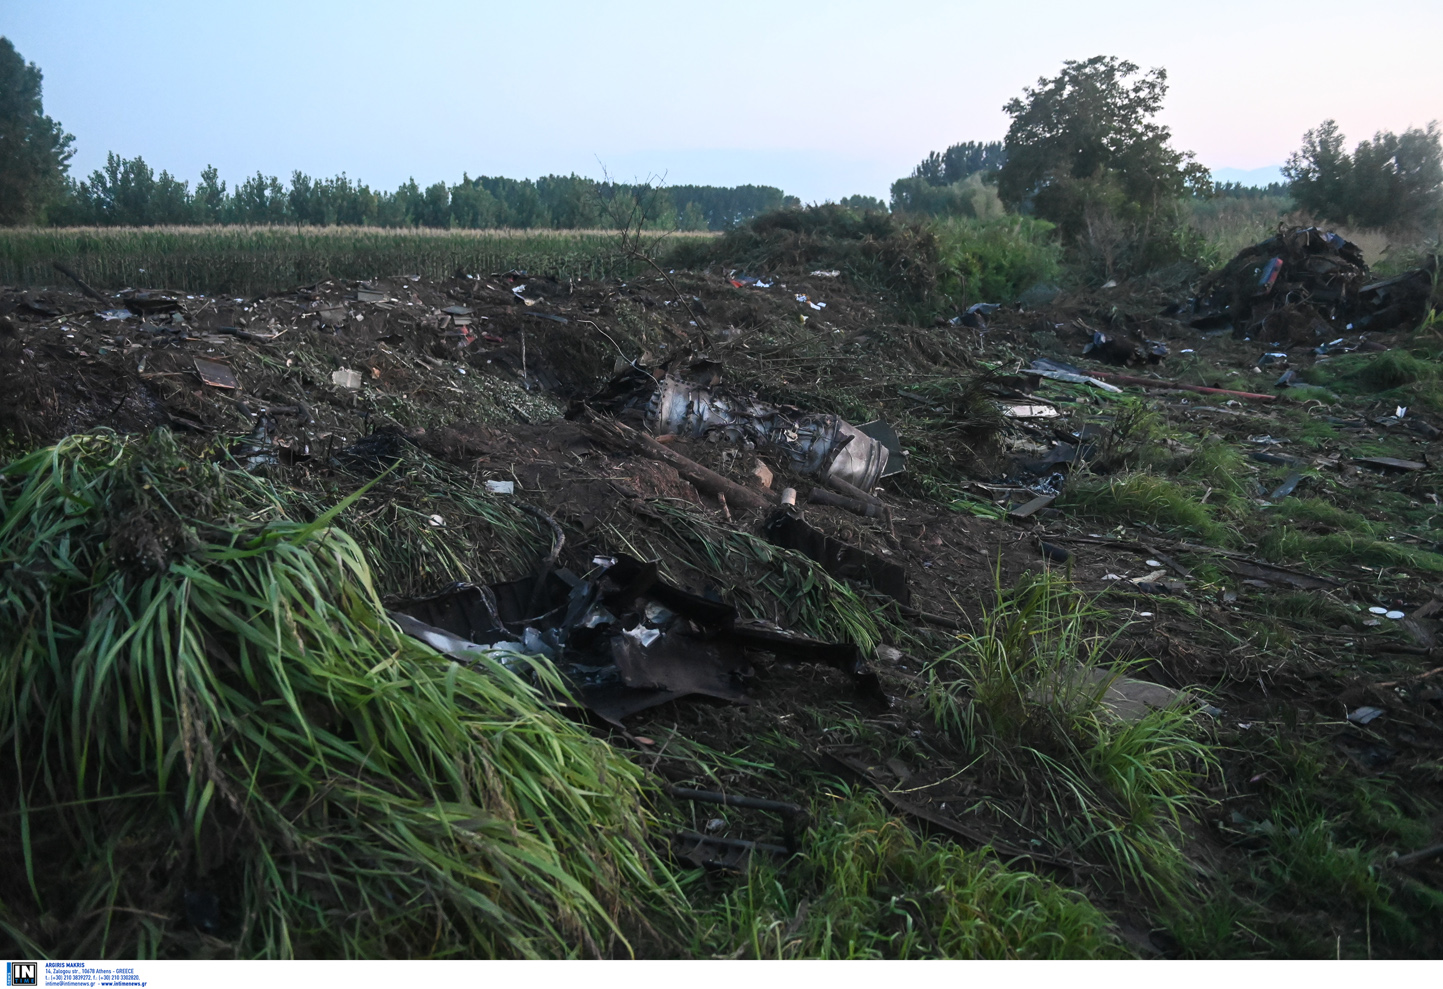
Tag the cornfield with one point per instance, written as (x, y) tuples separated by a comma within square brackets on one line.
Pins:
[(257, 260)]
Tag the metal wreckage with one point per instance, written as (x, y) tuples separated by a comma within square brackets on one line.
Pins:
[(626, 640)]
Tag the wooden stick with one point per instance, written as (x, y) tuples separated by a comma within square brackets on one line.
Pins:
[(77, 280), (1130, 379), (609, 432), (1418, 856)]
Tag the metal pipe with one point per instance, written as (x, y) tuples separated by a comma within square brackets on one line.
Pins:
[(755, 803)]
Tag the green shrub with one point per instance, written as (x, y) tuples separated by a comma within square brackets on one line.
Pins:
[(879, 251), (995, 260)]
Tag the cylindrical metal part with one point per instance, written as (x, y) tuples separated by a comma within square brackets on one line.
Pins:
[(821, 496), (849, 489), (818, 444)]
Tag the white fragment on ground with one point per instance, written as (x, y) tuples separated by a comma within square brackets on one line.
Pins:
[(1365, 715)]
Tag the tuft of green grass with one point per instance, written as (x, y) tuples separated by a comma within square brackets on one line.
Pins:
[(1026, 695), (868, 887), (1369, 373), (1135, 438), (1309, 393), (1394, 368), (1313, 882), (1219, 466), (1284, 544), (1320, 512), (1306, 608), (221, 713), (1143, 499)]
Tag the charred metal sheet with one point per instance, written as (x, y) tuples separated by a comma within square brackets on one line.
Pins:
[(1391, 463), (625, 641), (216, 375), (794, 817), (732, 854), (680, 664), (839, 559), (1304, 283)]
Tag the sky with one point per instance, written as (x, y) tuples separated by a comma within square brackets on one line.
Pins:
[(822, 99)]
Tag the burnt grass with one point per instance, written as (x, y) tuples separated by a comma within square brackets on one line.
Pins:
[(1261, 609)]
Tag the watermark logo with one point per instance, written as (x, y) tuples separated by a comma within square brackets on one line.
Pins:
[(22, 973)]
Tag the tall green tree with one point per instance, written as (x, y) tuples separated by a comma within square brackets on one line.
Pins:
[(34, 150), (961, 161), (1085, 152), (210, 196), (1393, 181)]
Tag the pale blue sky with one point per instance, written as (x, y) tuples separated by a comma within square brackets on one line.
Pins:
[(822, 99)]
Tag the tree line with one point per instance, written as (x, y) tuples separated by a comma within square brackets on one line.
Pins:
[(127, 192), (36, 187), (1083, 152)]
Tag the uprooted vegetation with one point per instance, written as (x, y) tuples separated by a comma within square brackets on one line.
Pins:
[(1141, 670)]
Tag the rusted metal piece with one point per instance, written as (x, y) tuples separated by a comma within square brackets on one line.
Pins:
[(216, 375), (786, 529), (794, 818)]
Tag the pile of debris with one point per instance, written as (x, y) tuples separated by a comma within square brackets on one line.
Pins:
[(1302, 285), (625, 640)]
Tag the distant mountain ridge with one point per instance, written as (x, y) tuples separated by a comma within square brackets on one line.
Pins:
[(1250, 176)]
